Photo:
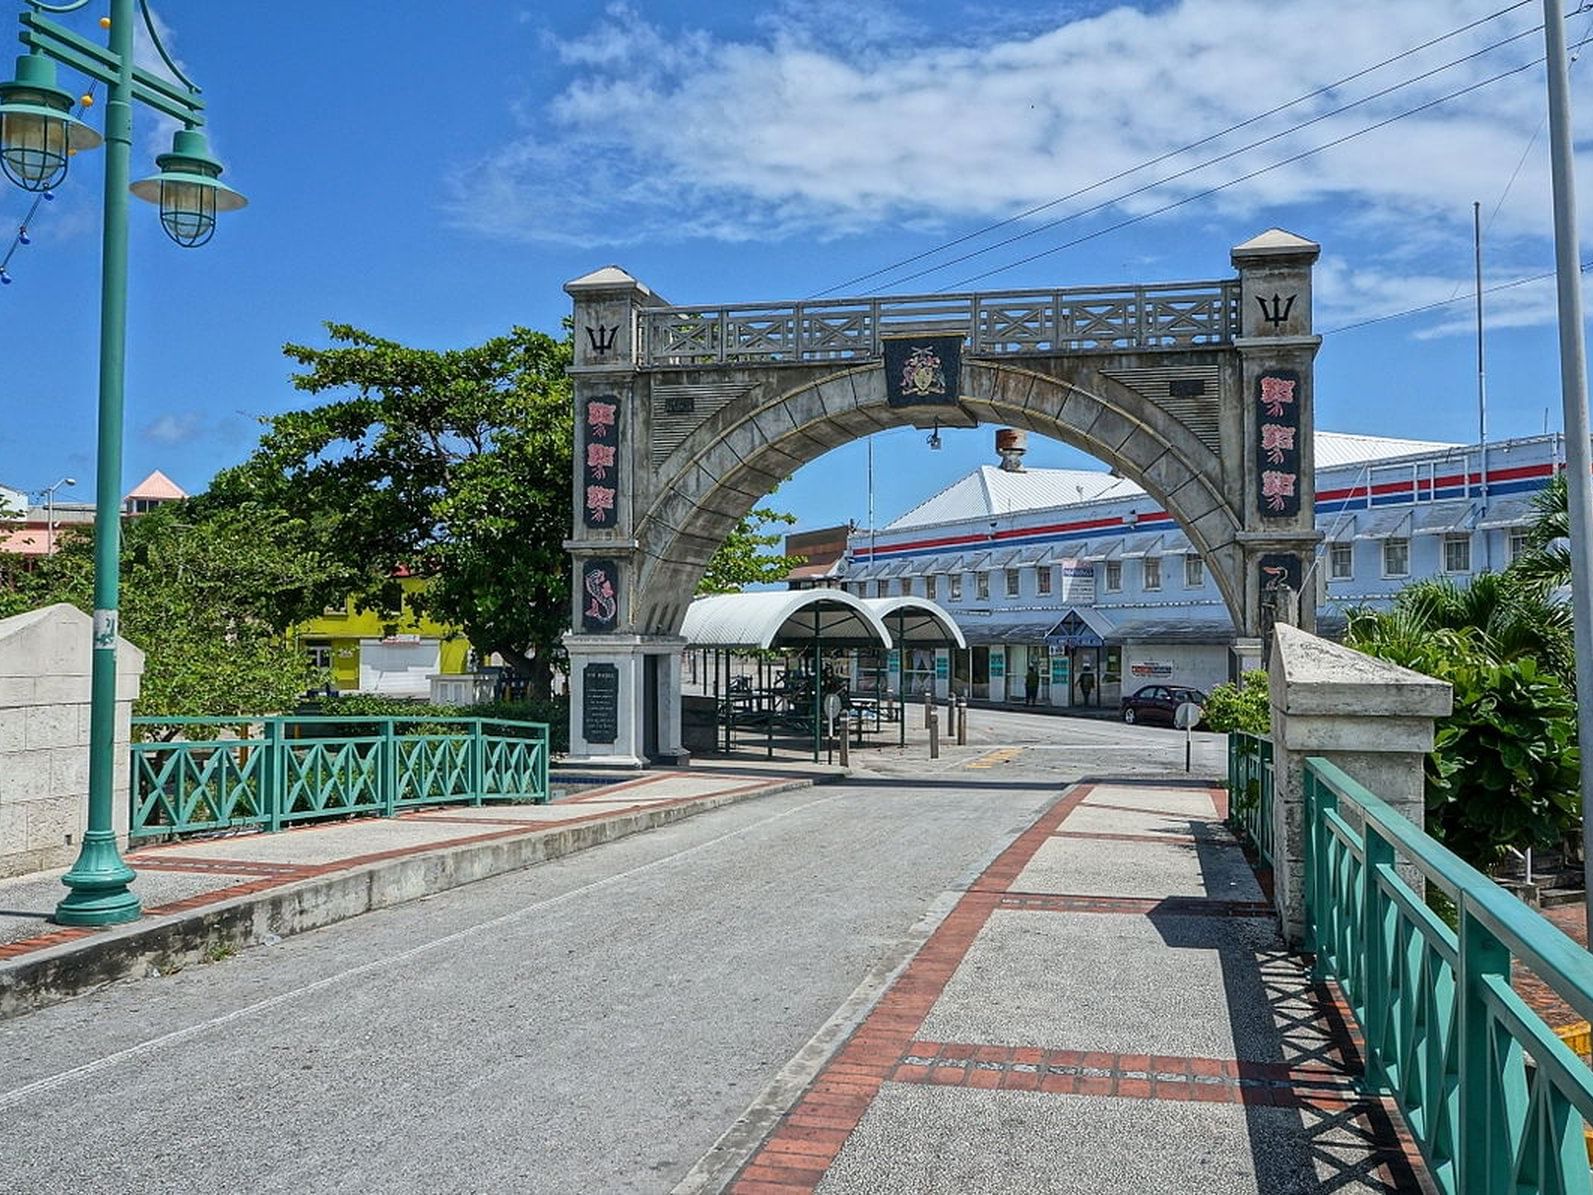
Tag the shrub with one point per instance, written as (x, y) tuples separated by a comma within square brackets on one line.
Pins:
[(1245, 707)]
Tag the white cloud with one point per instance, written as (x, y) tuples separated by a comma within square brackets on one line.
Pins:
[(824, 127)]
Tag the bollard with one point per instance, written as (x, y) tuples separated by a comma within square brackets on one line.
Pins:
[(962, 721), (846, 756), (934, 737), (929, 707)]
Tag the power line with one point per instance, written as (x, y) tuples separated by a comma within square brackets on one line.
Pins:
[(1393, 315), (1337, 141), (1223, 157), (1233, 128)]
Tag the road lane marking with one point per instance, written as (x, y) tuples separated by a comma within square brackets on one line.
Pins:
[(18, 1095)]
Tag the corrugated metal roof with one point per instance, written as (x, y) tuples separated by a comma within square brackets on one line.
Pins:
[(748, 620), (1441, 517), (1346, 448)]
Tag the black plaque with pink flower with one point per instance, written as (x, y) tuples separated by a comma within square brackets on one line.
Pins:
[(599, 596), (1278, 443), (601, 469)]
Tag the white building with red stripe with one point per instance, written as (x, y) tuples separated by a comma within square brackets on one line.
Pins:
[(1077, 572)]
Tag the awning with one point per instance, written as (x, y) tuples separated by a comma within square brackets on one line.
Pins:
[(1340, 529), (1028, 556), (1177, 544), (1179, 630), (1440, 518), (1004, 557), (917, 622), (1080, 626), (1506, 512), (974, 562), (1104, 549), (1143, 545), (945, 563), (783, 618), (1385, 524), (896, 568), (1006, 632)]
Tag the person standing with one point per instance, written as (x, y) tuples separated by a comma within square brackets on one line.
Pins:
[(1031, 685)]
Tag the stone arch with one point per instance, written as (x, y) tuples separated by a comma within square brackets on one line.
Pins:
[(712, 480)]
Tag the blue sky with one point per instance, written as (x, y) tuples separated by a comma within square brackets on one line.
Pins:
[(436, 179)]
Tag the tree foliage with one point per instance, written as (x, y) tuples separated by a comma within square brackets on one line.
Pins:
[(451, 464), (203, 597), (745, 559), (1245, 707)]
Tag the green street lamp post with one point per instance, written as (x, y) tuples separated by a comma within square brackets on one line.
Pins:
[(38, 137)]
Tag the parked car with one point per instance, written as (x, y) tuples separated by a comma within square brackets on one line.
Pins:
[(1156, 704)]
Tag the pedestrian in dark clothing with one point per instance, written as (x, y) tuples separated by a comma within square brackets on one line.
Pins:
[(1086, 683), (1031, 685)]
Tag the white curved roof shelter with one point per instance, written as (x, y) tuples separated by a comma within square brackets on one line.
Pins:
[(917, 621), (783, 618)]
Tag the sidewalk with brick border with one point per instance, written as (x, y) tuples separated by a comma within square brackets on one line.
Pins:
[(1104, 1010)]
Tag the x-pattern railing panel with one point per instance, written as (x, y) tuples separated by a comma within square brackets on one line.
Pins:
[(1495, 1100), (304, 769), (1072, 320)]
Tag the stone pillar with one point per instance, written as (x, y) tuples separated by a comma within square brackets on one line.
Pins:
[(612, 702), (1276, 472), (1371, 718), (45, 664)]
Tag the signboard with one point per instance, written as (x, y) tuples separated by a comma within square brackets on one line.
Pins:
[(1149, 670), (1060, 678), (600, 471), (1278, 443), (942, 665), (922, 370), (998, 662), (1076, 583), (893, 660), (600, 703)]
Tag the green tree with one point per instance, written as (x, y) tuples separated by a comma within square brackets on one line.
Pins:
[(745, 559), (1547, 560), (451, 464), (202, 598)]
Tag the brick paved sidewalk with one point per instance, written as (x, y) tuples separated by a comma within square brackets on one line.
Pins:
[(1109, 1008), (183, 877)]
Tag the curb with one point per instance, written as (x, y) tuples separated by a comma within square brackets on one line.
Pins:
[(159, 945)]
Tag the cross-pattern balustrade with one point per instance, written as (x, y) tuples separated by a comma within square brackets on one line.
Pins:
[(1079, 320), (302, 769)]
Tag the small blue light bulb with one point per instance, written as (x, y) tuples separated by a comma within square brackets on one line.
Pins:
[(22, 236), (50, 195), (5, 279)]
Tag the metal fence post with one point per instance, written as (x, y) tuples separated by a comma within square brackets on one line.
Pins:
[(1484, 1164), (478, 762), (1377, 853), (962, 721), (934, 737), (542, 766), (1314, 839), (387, 769), (273, 775)]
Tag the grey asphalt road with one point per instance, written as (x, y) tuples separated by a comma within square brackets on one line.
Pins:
[(591, 1025)]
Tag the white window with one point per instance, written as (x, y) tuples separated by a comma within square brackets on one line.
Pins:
[(1194, 572), (1457, 553), (319, 654), (929, 588), (1518, 543), (1396, 558), (1042, 581), (1152, 571), (982, 586), (954, 587), (1341, 562), (1012, 582), (1114, 576)]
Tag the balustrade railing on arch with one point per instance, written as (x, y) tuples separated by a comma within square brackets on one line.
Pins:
[(269, 772)]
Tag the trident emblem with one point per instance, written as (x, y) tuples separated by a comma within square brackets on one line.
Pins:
[(602, 338), (1279, 310)]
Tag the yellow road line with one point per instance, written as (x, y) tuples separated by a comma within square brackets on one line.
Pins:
[(992, 759)]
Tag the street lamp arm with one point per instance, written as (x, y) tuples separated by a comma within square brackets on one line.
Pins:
[(179, 101), (58, 8), (154, 37)]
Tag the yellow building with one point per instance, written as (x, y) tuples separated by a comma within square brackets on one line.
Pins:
[(371, 652)]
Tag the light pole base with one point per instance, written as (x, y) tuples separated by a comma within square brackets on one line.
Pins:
[(98, 880)]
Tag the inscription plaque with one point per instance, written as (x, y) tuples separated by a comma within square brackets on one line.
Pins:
[(600, 703)]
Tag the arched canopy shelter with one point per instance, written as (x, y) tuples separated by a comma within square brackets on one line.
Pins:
[(786, 618), (917, 622), (804, 618)]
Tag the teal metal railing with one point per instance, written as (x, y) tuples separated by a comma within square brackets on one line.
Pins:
[(1496, 1101), (1250, 790), (303, 769)]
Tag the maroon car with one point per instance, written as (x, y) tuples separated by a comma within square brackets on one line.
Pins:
[(1155, 705)]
